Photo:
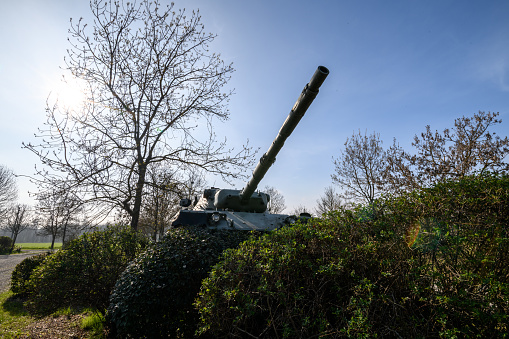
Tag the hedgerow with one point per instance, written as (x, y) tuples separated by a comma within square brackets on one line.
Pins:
[(85, 272), (430, 264)]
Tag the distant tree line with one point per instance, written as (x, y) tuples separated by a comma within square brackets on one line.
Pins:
[(56, 215)]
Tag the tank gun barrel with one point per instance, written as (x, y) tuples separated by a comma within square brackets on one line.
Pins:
[(303, 102)]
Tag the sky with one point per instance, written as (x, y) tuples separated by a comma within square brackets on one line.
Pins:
[(395, 67)]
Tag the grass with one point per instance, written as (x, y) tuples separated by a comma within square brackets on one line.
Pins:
[(13, 317), (94, 322), (38, 245)]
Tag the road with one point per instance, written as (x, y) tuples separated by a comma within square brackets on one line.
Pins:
[(7, 265)]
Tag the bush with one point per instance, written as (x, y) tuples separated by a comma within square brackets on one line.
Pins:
[(303, 281), (5, 244), (21, 275), (154, 296), (84, 273), (464, 243), (351, 276)]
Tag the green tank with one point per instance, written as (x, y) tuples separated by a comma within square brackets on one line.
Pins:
[(246, 209)]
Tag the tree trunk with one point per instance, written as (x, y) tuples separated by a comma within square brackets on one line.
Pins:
[(53, 236), (137, 199), (14, 237), (64, 231), (156, 218)]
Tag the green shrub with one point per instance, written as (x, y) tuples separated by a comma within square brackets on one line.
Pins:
[(85, 272), (154, 296), (351, 276), (21, 275), (304, 281), (5, 244), (464, 241)]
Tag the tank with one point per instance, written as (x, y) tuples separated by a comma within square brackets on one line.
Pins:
[(246, 209)]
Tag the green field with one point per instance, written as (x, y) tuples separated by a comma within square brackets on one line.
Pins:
[(38, 245)]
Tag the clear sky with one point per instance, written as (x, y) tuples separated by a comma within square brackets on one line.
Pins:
[(395, 67)]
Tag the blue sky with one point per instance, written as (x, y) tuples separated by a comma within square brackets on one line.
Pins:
[(395, 67)]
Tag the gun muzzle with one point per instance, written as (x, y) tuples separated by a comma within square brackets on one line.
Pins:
[(301, 105)]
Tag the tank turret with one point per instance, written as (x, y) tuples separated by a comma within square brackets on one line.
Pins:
[(246, 209)]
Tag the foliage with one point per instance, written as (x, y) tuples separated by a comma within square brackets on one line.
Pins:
[(21, 275), (154, 296), (350, 274), (464, 241), (5, 244), (299, 281), (85, 272)]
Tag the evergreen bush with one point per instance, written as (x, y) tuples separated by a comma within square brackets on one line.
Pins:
[(154, 296), (85, 272), (5, 244)]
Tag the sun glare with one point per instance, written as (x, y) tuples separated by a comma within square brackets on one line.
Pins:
[(412, 233), (68, 91)]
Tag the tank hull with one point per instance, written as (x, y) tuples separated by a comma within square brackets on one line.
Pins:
[(242, 221)]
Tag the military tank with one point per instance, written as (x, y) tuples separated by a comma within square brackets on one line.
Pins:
[(246, 209)]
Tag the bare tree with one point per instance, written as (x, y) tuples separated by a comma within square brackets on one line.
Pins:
[(18, 219), (8, 190), (365, 170), (468, 148), (153, 90), (359, 168), (277, 200), (301, 209), (58, 211), (329, 201), (162, 200)]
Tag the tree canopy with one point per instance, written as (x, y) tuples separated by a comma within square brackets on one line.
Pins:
[(153, 92), (470, 147), (365, 170)]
